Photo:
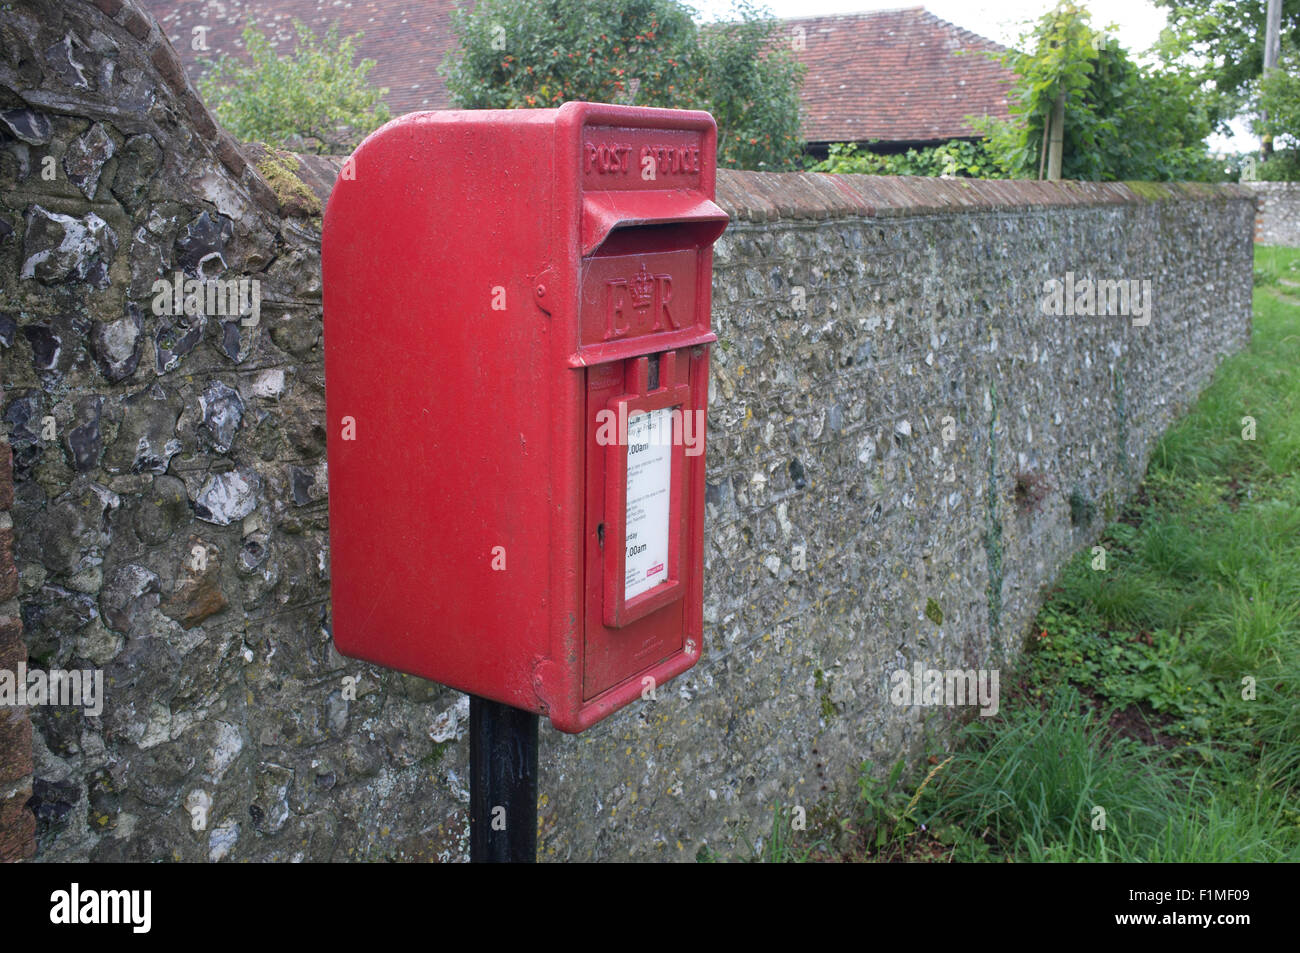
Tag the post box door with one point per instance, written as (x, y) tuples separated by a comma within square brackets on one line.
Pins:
[(644, 462)]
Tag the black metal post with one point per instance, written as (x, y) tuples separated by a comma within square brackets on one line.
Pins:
[(502, 783)]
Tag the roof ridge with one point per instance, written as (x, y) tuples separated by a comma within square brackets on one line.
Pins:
[(966, 35), (857, 13)]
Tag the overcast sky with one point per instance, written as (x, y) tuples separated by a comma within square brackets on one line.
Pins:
[(1137, 24)]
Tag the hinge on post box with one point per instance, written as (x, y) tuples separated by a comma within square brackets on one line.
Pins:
[(543, 292)]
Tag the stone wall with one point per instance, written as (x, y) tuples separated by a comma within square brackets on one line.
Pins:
[(1278, 221), (17, 825), (903, 449)]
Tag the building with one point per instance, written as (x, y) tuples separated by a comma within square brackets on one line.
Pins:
[(896, 78), (899, 78)]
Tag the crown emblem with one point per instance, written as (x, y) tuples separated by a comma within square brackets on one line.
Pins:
[(642, 288)]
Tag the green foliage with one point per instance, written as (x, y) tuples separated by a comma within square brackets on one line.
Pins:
[(888, 816), (752, 90), (541, 53), (1218, 45), (1056, 58), (1122, 121), (1272, 726), (518, 54), (957, 158), (781, 846), (1282, 166), (1038, 784), (1280, 96), (784, 843), (1279, 105), (1033, 781), (1156, 670), (314, 100), (1161, 121)]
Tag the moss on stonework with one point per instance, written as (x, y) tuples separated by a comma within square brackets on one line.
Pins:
[(431, 760), (1151, 191), (993, 531), (1108, 509), (820, 683), (1082, 510), (1121, 425), (280, 169)]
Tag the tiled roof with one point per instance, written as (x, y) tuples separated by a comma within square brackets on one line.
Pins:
[(895, 75), (407, 39)]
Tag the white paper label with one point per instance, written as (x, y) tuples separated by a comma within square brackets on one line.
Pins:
[(649, 479)]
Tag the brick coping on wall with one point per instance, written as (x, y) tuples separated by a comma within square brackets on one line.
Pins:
[(767, 196), (776, 196)]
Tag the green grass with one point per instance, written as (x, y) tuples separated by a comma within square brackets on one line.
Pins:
[(1134, 693)]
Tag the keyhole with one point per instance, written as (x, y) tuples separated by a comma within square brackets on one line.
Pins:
[(653, 375), (600, 534)]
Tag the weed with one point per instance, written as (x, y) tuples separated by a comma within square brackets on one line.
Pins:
[(1031, 488)]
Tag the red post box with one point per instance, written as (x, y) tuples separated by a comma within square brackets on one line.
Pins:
[(516, 363)]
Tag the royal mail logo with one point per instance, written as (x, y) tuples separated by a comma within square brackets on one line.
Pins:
[(641, 303)]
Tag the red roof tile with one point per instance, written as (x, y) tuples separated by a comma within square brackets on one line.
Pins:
[(895, 75)]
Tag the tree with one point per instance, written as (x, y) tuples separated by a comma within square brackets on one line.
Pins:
[(541, 53), (1121, 121), (1057, 62), (1220, 44), (753, 92), (314, 100), (1279, 105)]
